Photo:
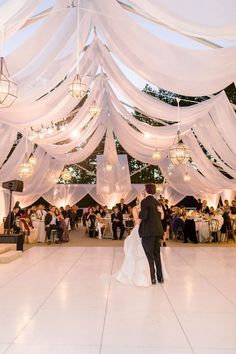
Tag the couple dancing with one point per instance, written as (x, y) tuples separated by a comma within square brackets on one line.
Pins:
[(142, 265)]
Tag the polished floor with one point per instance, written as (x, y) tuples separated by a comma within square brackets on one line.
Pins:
[(62, 300)]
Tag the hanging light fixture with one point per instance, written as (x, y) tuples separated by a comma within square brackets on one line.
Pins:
[(66, 175), (156, 155), (25, 169), (94, 109), (179, 153), (8, 88), (77, 88), (187, 177), (33, 160)]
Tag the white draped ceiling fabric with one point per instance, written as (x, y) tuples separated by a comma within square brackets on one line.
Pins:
[(44, 63)]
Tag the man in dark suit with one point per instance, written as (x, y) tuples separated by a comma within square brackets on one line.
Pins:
[(151, 231), (117, 221), (51, 223), (123, 208)]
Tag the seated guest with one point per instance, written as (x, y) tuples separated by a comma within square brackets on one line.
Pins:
[(123, 208), (91, 222), (205, 207), (211, 211), (102, 224), (117, 222), (11, 221), (97, 209), (52, 223), (102, 213), (106, 212)]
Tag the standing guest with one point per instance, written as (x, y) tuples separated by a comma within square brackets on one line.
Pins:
[(117, 222), (40, 216), (199, 206), (151, 230), (123, 208), (205, 207), (68, 217), (226, 206), (74, 210), (164, 219), (51, 223)]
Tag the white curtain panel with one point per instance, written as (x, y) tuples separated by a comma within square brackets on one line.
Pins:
[(187, 71), (201, 18)]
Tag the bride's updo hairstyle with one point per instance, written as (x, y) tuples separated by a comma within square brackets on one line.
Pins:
[(150, 188)]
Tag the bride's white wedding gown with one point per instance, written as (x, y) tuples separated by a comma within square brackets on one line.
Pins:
[(135, 268)]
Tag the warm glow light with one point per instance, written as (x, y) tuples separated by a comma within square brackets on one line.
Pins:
[(25, 170), (156, 155), (94, 109), (187, 178), (179, 153), (77, 88), (147, 135), (33, 160), (66, 175), (62, 128), (75, 134), (109, 167)]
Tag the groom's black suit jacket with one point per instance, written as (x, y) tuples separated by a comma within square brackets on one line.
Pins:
[(150, 225)]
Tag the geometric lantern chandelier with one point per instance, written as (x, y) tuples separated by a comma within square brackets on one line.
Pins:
[(8, 88), (94, 109), (179, 153), (77, 88), (25, 169)]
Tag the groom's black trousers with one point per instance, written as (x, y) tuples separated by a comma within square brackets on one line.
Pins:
[(151, 246)]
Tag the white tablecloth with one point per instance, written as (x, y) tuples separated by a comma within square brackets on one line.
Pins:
[(202, 228)]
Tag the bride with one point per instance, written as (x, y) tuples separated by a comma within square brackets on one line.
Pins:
[(135, 268)]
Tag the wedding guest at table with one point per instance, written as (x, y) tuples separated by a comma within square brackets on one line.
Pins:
[(91, 222), (51, 223), (117, 222), (226, 206), (68, 217), (102, 224), (199, 205), (75, 215), (106, 212), (232, 216), (211, 211), (40, 217), (97, 209), (26, 223), (205, 207), (62, 225), (123, 208)]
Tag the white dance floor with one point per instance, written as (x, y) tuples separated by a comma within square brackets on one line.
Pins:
[(61, 300)]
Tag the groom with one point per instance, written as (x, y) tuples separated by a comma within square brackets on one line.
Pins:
[(150, 230)]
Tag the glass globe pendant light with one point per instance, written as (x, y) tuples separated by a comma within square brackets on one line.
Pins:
[(187, 177), (25, 169), (32, 160)]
